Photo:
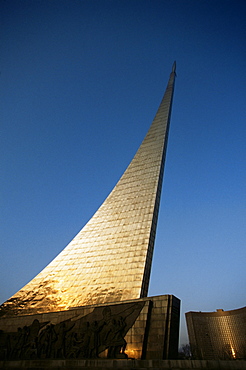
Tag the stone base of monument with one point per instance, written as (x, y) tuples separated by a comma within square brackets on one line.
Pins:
[(146, 328), (104, 364)]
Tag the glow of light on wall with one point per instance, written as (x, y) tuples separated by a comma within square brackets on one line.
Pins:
[(233, 352)]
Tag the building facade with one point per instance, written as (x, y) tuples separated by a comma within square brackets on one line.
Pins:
[(217, 335)]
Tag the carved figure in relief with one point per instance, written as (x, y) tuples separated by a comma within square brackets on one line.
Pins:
[(93, 343), (4, 345), (46, 340), (111, 335), (85, 337), (60, 344), (73, 345), (30, 348), (18, 344)]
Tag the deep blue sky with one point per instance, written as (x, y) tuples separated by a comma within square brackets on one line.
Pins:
[(80, 84)]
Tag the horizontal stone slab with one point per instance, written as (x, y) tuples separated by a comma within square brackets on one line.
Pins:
[(105, 364)]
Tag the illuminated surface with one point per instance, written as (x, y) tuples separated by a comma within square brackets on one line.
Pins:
[(110, 258), (218, 335), (150, 329)]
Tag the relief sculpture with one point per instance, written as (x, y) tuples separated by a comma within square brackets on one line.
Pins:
[(78, 337)]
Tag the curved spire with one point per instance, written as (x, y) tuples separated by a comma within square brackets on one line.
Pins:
[(110, 259), (174, 67)]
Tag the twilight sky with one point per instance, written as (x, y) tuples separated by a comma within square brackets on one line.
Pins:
[(80, 84)]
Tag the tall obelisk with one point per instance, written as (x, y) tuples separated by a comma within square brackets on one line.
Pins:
[(110, 259)]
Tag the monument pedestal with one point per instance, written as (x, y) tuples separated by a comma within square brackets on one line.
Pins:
[(146, 328), (123, 364)]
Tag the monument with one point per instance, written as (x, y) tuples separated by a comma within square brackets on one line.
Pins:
[(91, 300)]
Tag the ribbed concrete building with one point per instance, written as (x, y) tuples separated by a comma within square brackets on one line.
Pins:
[(217, 335)]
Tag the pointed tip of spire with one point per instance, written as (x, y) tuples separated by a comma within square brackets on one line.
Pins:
[(174, 67)]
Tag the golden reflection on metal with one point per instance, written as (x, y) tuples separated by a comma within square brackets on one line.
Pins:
[(110, 258)]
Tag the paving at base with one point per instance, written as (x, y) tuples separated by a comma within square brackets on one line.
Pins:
[(129, 364)]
